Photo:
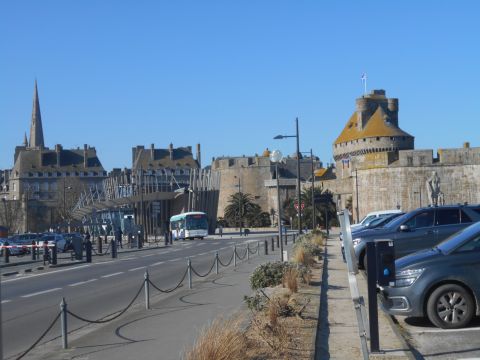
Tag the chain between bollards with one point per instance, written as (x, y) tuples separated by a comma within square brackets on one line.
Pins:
[(63, 318), (147, 290), (216, 262), (189, 273)]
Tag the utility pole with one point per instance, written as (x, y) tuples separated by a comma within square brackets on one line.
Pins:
[(240, 207), (313, 192), (299, 192), (356, 186)]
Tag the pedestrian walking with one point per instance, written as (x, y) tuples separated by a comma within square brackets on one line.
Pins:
[(118, 237), (220, 230)]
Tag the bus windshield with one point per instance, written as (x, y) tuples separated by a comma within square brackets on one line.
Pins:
[(197, 222)]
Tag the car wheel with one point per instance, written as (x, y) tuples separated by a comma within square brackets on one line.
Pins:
[(450, 306)]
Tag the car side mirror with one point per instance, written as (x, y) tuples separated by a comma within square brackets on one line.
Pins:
[(404, 228)]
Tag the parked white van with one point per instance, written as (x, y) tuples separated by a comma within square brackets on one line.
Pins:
[(373, 215)]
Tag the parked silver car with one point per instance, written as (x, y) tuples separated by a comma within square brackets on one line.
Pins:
[(54, 239)]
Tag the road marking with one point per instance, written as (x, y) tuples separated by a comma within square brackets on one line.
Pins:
[(158, 263), (172, 260), (130, 258), (6, 301), (138, 268), (148, 255), (40, 292), (47, 273), (420, 332), (114, 274), (105, 262), (83, 282), (204, 253)]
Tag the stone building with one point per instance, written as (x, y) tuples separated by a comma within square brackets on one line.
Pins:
[(47, 181), (377, 167), (255, 175)]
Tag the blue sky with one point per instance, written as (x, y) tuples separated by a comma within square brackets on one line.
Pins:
[(232, 74)]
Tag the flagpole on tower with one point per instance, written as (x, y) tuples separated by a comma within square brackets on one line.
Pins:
[(364, 80)]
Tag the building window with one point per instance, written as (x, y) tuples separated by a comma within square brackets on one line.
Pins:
[(409, 160), (378, 139)]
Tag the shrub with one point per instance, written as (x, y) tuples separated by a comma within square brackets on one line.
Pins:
[(255, 302), (222, 340), (269, 274)]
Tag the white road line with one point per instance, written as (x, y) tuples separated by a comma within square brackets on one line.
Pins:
[(445, 331), (83, 282), (148, 255), (158, 263), (6, 301), (172, 260), (204, 253), (138, 268), (40, 292), (110, 275), (129, 258), (47, 273), (105, 262)]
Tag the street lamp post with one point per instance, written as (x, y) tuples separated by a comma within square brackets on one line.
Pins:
[(240, 207), (298, 173), (312, 189), (276, 157), (356, 187), (64, 202)]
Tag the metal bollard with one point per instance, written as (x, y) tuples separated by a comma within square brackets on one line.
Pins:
[(189, 273), (34, 250), (248, 253), (113, 245), (54, 254), (6, 252), (258, 247), (266, 247), (286, 239), (273, 244), (99, 246), (294, 238), (278, 241), (88, 251), (234, 255), (216, 262), (63, 309), (147, 290)]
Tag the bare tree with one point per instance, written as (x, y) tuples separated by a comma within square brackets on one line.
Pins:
[(68, 193), (11, 215)]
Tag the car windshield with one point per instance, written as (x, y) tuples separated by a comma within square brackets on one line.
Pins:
[(396, 222), (457, 239)]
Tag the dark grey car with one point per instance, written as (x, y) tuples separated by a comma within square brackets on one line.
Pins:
[(419, 229), (442, 283)]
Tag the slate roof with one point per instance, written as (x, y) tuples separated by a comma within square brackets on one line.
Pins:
[(377, 126), (28, 160), (182, 157)]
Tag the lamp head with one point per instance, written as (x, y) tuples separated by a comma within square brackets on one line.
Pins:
[(278, 137), (276, 156)]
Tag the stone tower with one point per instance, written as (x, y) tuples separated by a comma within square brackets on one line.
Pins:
[(372, 128), (36, 130)]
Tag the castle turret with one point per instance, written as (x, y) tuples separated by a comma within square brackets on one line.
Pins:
[(373, 127)]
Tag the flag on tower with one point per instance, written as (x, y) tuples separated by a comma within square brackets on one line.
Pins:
[(364, 80)]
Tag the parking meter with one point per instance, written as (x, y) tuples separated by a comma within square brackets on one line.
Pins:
[(385, 250)]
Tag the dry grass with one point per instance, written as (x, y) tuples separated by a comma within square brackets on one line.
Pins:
[(222, 340), (290, 279), (302, 257), (318, 240)]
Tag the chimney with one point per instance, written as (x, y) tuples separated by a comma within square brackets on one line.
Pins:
[(170, 150), (58, 151), (152, 152), (199, 159), (85, 156)]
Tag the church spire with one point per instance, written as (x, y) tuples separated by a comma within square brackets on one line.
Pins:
[(36, 131), (25, 140)]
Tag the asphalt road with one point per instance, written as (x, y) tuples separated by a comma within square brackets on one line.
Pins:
[(430, 342), (93, 291)]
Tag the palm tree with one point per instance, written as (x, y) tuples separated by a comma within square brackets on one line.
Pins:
[(239, 207)]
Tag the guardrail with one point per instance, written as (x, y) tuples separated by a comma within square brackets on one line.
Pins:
[(145, 286)]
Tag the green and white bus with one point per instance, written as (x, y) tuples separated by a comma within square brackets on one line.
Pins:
[(189, 225)]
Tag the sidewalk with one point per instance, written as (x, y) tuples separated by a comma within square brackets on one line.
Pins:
[(172, 323), (339, 337)]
